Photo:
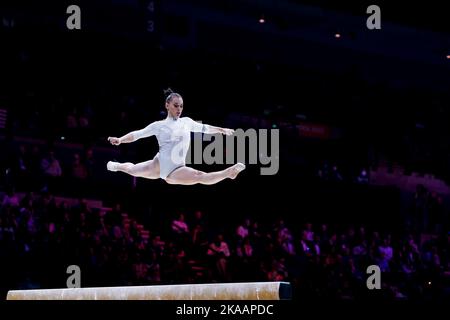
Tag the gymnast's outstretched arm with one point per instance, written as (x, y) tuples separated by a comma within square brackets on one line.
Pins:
[(206, 128), (212, 130), (134, 135)]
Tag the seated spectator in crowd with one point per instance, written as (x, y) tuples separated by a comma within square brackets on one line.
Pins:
[(308, 247), (180, 232), (11, 199), (219, 251), (199, 242), (179, 226), (50, 165), (242, 231), (140, 270), (78, 169), (278, 271), (385, 255)]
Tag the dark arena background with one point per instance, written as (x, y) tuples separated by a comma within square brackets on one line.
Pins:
[(364, 139)]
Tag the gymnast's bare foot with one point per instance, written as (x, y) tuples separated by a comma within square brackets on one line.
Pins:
[(236, 169), (112, 166)]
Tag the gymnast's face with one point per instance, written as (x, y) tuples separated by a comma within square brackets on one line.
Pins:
[(175, 107)]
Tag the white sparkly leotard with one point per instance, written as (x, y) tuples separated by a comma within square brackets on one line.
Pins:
[(174, 137)]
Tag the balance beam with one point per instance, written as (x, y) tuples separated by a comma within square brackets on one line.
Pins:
[(213, 291)]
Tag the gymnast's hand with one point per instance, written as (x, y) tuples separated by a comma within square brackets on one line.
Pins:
[(114, 141), (228, 132)]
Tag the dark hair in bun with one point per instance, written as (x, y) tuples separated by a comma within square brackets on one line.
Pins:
[(169, 94)]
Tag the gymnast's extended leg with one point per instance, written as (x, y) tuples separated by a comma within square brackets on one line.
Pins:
[(148, 169), (189, 176)]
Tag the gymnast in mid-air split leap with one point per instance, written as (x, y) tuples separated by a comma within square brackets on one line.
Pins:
[(173, 134)]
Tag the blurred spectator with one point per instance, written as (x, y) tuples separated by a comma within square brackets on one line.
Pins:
[(179, 226), (11, 199), (180, 232), (219, 252), (242, 230), (50, 165), (78, 169), (278, 271), (385, 255)]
